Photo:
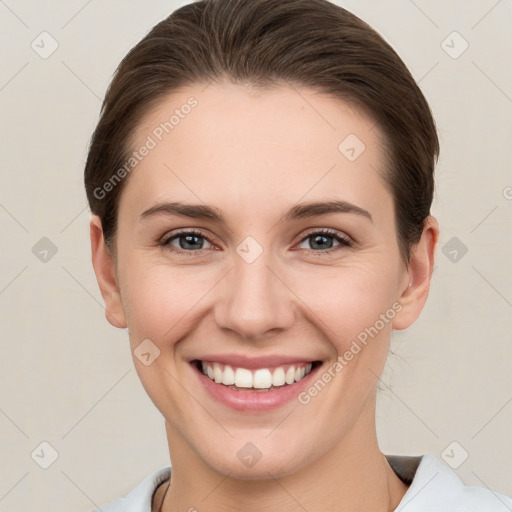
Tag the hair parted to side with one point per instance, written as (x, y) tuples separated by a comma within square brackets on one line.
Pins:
[(267, 43)]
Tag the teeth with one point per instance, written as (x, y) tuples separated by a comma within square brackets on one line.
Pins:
[(228, 377), (262, 378), (217, 373), (278, 377), (243, 378), (290, 375)]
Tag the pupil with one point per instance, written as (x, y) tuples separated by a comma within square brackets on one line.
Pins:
[(317, 237), (319, 241), (189, 239)]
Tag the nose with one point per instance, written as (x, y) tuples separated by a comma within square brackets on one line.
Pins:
[(256, 302)]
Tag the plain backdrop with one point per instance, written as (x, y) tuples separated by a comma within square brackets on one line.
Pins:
[(67, 379)]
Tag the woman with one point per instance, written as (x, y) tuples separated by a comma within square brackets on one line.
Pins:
[(261, 181)]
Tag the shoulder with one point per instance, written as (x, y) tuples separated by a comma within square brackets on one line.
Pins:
[(140, 497), (435, 487)]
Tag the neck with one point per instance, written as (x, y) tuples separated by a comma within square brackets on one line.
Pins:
[(353, 476)]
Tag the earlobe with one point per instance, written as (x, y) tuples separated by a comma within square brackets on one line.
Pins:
[(415, 292), (104, 269)]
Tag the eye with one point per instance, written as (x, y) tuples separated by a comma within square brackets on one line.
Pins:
[(187, 241), (322, 241), (192, 241)]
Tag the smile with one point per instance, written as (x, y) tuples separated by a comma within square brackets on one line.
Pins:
[(254, 384), (256, 379)]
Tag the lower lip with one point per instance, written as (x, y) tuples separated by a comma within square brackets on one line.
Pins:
[(258, 401)]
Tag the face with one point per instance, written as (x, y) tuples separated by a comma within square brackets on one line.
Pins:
[(257, 243)]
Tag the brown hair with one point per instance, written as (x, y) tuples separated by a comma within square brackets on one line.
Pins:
[(264, 43)]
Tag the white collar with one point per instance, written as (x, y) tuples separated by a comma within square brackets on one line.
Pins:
[(434, 487)]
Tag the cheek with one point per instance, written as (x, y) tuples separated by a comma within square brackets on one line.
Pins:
[(351, 301), (161, 295), (161, 301), (161, 305)]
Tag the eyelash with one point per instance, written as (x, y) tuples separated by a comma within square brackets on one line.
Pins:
[(344, 241)]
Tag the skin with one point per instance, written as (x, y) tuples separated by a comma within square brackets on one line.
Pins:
[(254, 154)]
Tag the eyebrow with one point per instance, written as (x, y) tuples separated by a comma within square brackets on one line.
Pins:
[(300, 211)]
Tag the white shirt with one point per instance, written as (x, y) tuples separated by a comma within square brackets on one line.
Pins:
[(434, 487)]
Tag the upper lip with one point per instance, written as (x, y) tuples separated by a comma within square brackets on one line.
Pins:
[(244, 361)]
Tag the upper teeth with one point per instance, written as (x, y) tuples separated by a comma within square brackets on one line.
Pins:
[(261, 378)]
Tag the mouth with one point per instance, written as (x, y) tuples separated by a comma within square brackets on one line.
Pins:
[(256, 385), (263, 379)]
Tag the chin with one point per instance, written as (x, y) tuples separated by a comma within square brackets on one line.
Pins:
[(248, 463)]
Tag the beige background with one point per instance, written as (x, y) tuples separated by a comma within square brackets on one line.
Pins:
[(66, 375)]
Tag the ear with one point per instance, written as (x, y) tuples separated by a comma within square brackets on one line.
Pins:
[(104, 269), (414, 293)]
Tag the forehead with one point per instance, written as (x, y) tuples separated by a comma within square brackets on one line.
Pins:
[(210, 141)]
